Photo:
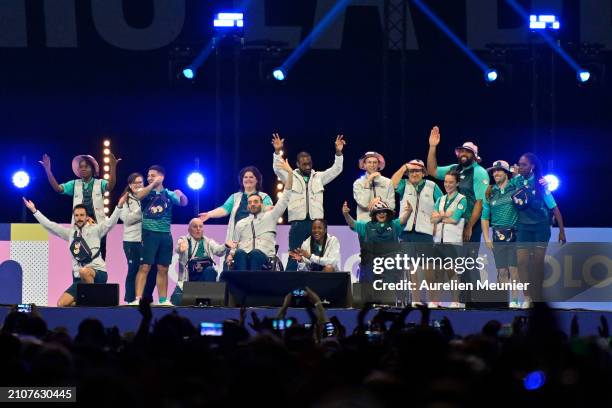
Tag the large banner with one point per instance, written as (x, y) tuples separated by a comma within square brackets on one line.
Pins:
[(46, 263)]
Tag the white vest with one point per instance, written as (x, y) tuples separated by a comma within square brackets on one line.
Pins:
[(450, 233), (422, 211), (231, 225), (97, 198)]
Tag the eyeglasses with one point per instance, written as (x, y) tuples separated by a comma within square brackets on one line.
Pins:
[(412, 171)]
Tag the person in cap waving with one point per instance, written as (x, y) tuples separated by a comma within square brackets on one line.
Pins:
[(381, 229), (422, 195), (499, 212), (372, 187), (86, 189)]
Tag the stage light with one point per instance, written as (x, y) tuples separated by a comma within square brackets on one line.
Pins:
[(229, 20), (106, 201), (553, 182), (106, 210), (544, 22), (491, 75), (106, 167), (106, 151), (583, 75), (279, 195), (280, 220), (195, 180), (279, 186), (21, 179), (279, 74), (534, 380), (106, 194), (106, 143), (189, 73), (106, 160)]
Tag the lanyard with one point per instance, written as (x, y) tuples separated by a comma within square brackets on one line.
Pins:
[(195, 250)]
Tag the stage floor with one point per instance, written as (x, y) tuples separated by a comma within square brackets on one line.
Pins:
[(127, 318)]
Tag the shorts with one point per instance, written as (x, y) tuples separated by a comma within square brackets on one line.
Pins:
[(156, 248), (504, 252), (533, 235), (101, 277)]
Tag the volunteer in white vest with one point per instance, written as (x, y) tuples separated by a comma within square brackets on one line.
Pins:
[(422, 195), (372, 187), (86, 189), (307, 193), (320, 252), (250, 181), (254, 240), (196, 263), (84, 242), (448, 220)]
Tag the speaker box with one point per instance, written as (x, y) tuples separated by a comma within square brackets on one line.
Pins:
[(365, 293), (97, 294), (204, 294)]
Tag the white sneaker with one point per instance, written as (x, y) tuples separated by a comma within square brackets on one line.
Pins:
[(433, 305), (526, 304), (515, 304), (456, 305), (134, 302), (165, 303), (417, 304)]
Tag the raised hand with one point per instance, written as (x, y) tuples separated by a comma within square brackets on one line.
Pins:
[(46, 162), (29, 204), (277, 142), (345, 208), (340, 142), (373, 202), (434, 136), (204, 216), (182, 245), (408, 207), (112, 160)]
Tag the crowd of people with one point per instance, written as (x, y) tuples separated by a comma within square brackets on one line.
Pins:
[(393, 357), (513, 215)]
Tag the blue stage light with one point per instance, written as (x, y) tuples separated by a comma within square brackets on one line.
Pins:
[(543, 22), (534, 380), (195, 180), (21, 179), (229, 20), (583, 75), (491, 75), (189, 73), (279, 74), (553, 182)]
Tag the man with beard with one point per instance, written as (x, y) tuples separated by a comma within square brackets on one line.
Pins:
[(254, 237), (84, 243), (473, 184), (306, 202)]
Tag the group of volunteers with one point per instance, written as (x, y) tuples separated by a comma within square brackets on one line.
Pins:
[(513, 215)]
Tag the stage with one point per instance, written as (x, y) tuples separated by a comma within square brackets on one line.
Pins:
[(127, 318)]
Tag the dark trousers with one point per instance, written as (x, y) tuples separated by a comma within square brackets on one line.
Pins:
[(133, 254), (470, 249), (299, 232), (252, 261)]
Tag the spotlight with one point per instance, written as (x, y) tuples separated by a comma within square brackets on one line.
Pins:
[(106, 194), (106, 160), (279, 195), (280, 220), (583, 75), (21, 179), (106, 151), (189, 73), (106, 210), (107, 143), (279, 74), (534, 380), (229, 21), (106, 167), (106, 201), (553, 182), (106, 176), (279, 186), (195, 180), (491, 75), (544, 22)]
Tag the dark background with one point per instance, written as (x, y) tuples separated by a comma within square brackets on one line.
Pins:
[(66, 101)]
